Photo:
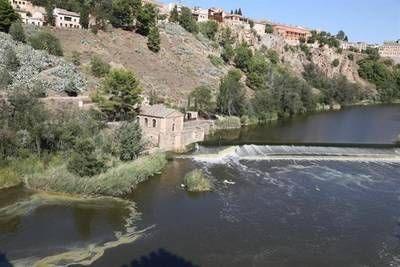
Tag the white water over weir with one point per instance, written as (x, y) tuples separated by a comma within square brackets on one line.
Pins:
[(301, 153)]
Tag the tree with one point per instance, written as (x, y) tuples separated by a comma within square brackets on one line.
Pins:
[(240, 12), (153, 41), (7, 15), (121, 13), (98, 67), (251, 22), (202, 96), (269, 29), (231, 99), (243, 55), (186, 20), (335, 62), (11, 60), (119, 95), (76, 58), (46, 41), (84, 161), (146, 19), (174, 15), (85, 14), (50, 5), (341, 35), (17, 32), (129, 139), (209, 28)]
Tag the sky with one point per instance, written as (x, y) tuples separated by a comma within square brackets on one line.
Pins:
[(372, 21)]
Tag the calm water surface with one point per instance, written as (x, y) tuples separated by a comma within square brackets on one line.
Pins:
[(322, 206)]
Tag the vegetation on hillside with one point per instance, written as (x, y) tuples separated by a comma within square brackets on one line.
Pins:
[(196, 181)]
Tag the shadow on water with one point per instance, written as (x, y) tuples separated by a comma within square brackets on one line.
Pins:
[(160, 258), (4, 261)]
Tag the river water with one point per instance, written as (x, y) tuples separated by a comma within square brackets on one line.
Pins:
[(321, 190)]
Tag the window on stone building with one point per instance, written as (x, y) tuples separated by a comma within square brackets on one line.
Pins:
[(146, 122), (173, 127), (154, 123)]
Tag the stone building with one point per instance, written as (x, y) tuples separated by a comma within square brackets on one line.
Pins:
[(199, 14), (29, 13), (216, 14), (291, 34), (390, 49), (259, 27), (167, 130), (66, 19), (359, 46), (237, 20)]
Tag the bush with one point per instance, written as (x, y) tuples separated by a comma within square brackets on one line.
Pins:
[(216, 61), (83, 161), (46, 41), (350, 57), (153, 41), (5, 78), (146, 19), (98, 67), (17, 32), (335, 63), (76, 58), (187, 22), (196, 181), (209, 29), (12, 62), (228, 123), (129, 139)]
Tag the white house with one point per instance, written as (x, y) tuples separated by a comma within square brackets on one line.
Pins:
[(29, 13), (66, 19)]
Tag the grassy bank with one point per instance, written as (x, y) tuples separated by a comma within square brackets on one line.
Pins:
[(117, 181), (52, 176)]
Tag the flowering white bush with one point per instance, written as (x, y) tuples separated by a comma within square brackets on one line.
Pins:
[(55, 73)]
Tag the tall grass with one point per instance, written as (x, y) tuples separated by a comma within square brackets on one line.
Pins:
[(117, 181), (196, 181), (228, 123)]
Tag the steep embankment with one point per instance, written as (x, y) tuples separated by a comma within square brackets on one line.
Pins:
[(180, 66)]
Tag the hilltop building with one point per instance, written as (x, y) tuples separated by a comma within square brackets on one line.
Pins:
[(217, 14), (66, 19), (29, 13), (391, 49), (237, 20), (291, 34), (166, 129), (200, 15), (359, 46)]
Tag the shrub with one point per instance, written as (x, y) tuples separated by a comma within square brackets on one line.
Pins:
[(335, 63), (209, 29), (350, 57), (5, 78), (153, 41), (228, 123), (12, 62), (273, 56), (83, 161), (17, 32), (243, 56), (146, 19), (196, 181), (228, 53), (46, 41), (129, 139), (8, 178), (216, 61), (187, 22), (76, 58), (98, 67)]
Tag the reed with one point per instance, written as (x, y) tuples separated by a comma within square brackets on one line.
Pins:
[(196, 181)]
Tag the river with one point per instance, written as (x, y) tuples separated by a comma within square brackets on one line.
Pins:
[(318, 190)]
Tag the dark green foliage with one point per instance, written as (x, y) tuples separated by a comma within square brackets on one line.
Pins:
[(251, 22), (71, 90), (83, 161), (341, 36), (17, 32), (50, 5), (187, 22), (335, 62), (201, 99), (273, 56), (243, 55), (269, 29), (350, 57), (146, 19), (121, 13), (154, 40), (324, 38), (7, 15), (209, 29), (11, 61), (174, 16), (129, 139), (257, 72), (119, 95), (231, 97), (373, 53), (99, 67), (46, 41), (85, 14), (227, 53)]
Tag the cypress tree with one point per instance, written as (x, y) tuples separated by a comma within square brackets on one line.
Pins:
[(174, 16), (153, 41), (7, 15)]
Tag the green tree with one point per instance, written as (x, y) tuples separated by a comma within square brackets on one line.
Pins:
[(341, 35), (84, 13), (17, 32), (209, 29), (7, 15), (202, 97), (46, 41), (50, 5), (11, 60), (240, 12), (273, 56), (335, 62), (269, 29), (146, 19), (243, 55), (129, 139), (174, 15), (231, 98), (186, 20), (119, 95), (99, 67), (154, 40), (121, 13), (84, 161)]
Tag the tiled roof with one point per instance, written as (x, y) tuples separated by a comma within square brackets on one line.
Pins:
[(159, 111)]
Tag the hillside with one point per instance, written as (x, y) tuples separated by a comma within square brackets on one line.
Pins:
[(180, 66)]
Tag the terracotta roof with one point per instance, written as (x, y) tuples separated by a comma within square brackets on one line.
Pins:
[(159, 111)]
